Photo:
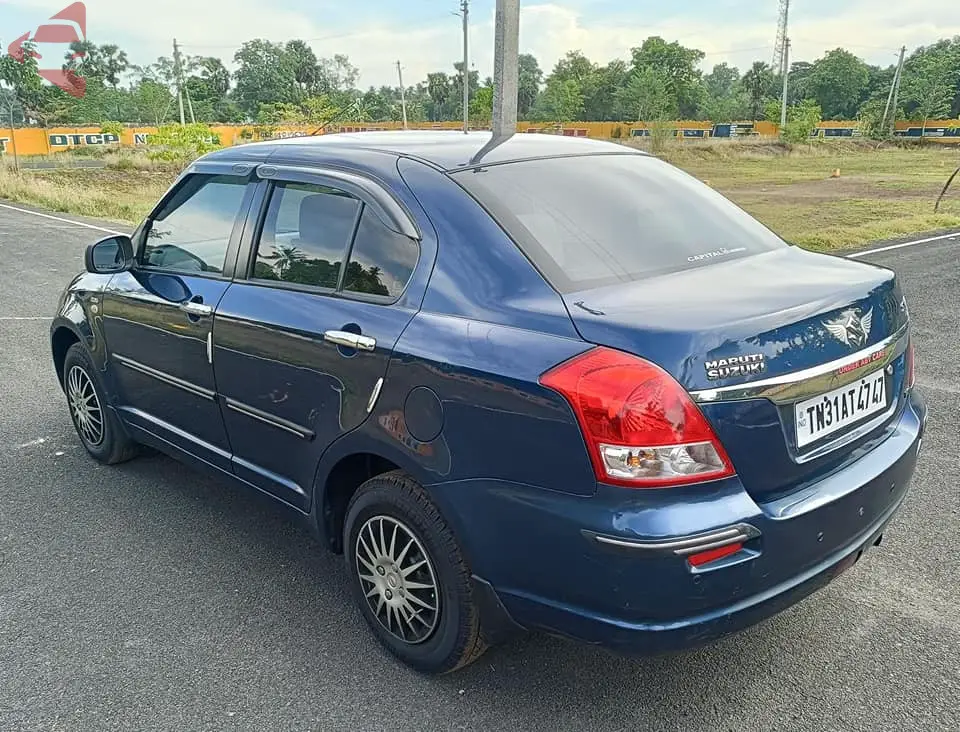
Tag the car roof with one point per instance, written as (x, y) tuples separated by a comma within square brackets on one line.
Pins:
[(445, 149)]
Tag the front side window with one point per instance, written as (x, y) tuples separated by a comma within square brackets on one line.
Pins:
[(191, 232), (305, 235)]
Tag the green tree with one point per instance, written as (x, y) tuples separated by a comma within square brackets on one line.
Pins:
[(799, 81), (315, 111), (531, 78), (608, 81), (722, 81), (265, 75), (21, 74), (456, 89), (725, 100), (838, 82), (758, 83), (106, 63), (306, 69), (802, 120), (440, 93), (679, 67), (481, 105), (152, 102), (929, 87), (336, 74), (561, 101), (647, 96), (576, 68)]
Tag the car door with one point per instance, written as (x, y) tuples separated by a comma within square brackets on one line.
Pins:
[(303, 337), (158, 317)]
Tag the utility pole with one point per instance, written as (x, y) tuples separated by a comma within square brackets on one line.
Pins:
[(403, 95), (177, 73), (786, 76), (506, 68), (892, 99), (465, 12)]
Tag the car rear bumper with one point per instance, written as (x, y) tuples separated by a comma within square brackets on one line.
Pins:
[(640, 596), (658, 637)]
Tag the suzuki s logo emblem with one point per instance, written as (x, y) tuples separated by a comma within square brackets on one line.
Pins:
[(850, 327)]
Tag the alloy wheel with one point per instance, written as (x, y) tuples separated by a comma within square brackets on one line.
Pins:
[(85, 406), (398, 579)]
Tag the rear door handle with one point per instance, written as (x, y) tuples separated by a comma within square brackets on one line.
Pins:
[(196, 309), (350, 340)]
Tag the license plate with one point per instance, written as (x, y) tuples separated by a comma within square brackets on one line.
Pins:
[(821, 416)]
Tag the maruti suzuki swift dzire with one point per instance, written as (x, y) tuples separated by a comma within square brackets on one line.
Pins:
[(526, 383)]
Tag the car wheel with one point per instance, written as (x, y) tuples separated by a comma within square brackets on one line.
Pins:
[(409, 577), (96, 424)]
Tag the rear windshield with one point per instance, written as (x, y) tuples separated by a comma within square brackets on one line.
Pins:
[(597, 220)]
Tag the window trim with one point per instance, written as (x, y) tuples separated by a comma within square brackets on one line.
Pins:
[(391, 211), (233, 242), (256, 220)]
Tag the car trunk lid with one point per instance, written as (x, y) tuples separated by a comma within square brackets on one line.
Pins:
[(761, 339)]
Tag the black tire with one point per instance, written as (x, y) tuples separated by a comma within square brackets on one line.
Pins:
[(109, 444), (455, 639)]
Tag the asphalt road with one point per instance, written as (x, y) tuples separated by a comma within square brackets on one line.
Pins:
[(148, 597)]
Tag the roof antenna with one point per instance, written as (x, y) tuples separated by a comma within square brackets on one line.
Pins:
[(506, 72)]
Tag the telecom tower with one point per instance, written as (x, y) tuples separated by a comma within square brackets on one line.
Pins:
[(780, 48)]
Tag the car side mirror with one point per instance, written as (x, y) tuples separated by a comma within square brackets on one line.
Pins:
[(110, 255)]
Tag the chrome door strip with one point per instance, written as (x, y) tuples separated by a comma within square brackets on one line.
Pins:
[(816, 380), (269, 419), (164, 377)]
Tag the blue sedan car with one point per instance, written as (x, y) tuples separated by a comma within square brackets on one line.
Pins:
[(533, 383)]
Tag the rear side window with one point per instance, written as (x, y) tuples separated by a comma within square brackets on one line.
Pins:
[(598, 220), (305, 235), (381, 260)]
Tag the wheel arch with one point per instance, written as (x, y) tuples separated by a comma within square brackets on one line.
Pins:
[(62, 337), (347, 464)]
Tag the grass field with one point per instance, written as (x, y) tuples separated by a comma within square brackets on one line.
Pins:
[(880, 193)]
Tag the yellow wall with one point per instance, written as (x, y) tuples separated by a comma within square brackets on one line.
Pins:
[(36, 141)]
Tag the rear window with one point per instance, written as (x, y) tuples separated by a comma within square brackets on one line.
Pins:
[(598, 220)]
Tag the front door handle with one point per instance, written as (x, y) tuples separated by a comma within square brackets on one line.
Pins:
[(350, 340), (196, 309)]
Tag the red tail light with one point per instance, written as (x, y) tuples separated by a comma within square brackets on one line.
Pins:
[(641, 427), (911, 372), (712, 555)]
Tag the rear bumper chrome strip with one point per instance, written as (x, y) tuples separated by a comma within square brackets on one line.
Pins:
[(681, 546), (799, 385)]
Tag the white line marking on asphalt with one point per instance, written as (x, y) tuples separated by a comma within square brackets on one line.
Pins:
[(904, 244), (58, 218)]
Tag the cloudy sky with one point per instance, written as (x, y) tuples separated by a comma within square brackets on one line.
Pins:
[(425, 35)]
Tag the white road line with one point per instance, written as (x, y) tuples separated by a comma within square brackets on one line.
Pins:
[(58, 218), (904, 244)]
